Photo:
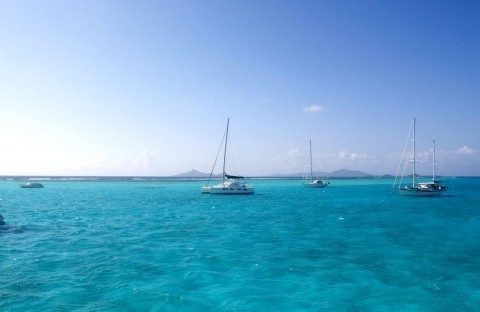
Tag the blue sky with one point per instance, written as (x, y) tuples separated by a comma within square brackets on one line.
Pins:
[(146, 87)]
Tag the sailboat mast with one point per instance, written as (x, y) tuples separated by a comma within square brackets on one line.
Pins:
[(433, 175), (311, 164), (225, 151), (414, 160)]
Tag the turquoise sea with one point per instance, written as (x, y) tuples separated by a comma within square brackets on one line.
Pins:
[(161, 245)]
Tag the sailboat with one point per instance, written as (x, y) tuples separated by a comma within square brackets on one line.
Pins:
[(431, 188), (231, 185), (314, 182)]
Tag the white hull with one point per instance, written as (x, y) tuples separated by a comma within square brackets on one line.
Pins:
[(316, 184), (415, 191), (231, 187), (227, 191), (206, 189)]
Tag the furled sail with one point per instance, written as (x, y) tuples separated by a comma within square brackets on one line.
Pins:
[(233, 177)]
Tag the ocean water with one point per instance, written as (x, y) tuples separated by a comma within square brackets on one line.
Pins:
[(164, 246)]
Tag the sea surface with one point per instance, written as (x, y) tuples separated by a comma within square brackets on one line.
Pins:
[(161, 245)]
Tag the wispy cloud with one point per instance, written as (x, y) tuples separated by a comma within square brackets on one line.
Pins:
[(294, 153), (312, 109), (465, 150), (344, 155), (461, 161), (146, 161), (288, 162)]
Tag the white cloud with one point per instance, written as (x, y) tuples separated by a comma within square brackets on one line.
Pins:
[(288, 162), (312, 109), (462, 161), (293, 153), (465, 150), (344, 155), (146, 161)]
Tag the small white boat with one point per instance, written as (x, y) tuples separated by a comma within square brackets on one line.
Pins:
[(430, 188), (311, 182), (231, 185), (316, 183), (31, 185)]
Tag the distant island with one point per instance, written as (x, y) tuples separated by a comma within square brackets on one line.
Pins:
[(342, 173), (197, 175)]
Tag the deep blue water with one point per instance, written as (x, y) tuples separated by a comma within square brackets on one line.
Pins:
[(164, 246)]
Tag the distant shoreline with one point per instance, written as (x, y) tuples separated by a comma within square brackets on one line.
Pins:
[(340, 174), (183, 178)]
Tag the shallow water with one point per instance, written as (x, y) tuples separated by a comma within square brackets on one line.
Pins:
[(164, 246)]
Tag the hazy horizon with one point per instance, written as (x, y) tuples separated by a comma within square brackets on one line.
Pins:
[(202, 175), (119, 88)]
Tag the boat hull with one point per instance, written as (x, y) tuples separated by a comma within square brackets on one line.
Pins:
[(316, 184), (415, 191), (229, 187), (31, 185), (227, 191)]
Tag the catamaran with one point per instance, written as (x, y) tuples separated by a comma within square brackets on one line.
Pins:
[(430, 188), (231, 185)]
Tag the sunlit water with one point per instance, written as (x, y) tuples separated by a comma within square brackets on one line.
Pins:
[(164, 246)]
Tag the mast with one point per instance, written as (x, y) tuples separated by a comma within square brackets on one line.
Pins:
[(311, 165), (225, 151), (433, 175), (413, 180)]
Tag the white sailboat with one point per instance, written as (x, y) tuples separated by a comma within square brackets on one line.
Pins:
[(431, 188), (311, 182), (231, 185)]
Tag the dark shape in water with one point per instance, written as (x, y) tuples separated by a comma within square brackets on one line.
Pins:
[(31, 185)]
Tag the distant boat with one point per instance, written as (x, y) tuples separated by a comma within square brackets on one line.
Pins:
[(31, 185), (231, 185), (431, 188), (310, 181)]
